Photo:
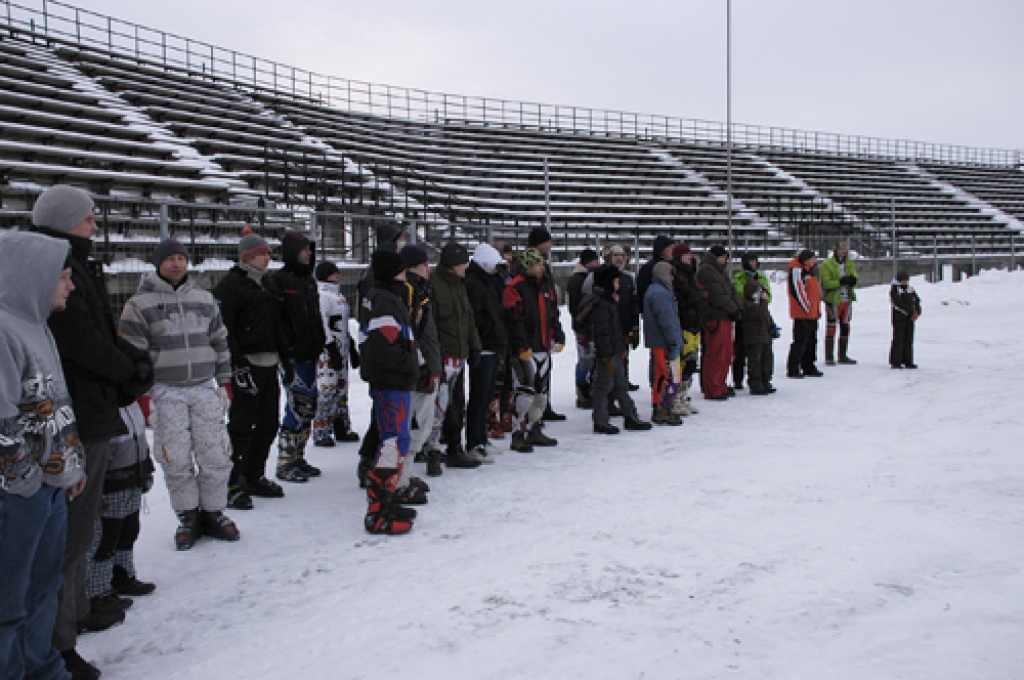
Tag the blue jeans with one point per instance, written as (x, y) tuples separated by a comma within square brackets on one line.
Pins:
[(32, 534), (481, 391)]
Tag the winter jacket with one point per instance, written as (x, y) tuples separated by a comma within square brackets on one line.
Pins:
[(661, 317), (723, 300), (604, 329), (643, 279), (905, 302), (387, 349), (455, 324), (758, 325), (182, 330), (250, 315), (831, 270), (130, 466), (335, 312), (804, 292), (96, 363), (740, 278), (691, 298), (531, 315), (484, 292), (423, 315), (39, 440), (299, 301), (574, 288), (629, 303)]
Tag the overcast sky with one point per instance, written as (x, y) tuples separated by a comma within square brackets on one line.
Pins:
[(949, 71)]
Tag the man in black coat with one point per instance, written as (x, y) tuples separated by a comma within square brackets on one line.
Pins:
[(662, 251), (102, 371), (584, 356), (304, 338), (629, 303), (250, 315)]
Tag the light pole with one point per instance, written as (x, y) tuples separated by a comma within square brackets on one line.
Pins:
[(728, 125)]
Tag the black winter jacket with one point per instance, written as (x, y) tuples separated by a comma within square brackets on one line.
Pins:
[(484, 291), (646, 275), (629, 304), (387, 348), (690, 295), (97, 363), (423, 314), (604, 330), (250, 314), (723, 300), (531, 314), (293, 286)]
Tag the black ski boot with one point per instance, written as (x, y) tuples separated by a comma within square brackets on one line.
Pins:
[(188, 529), (216, 524)]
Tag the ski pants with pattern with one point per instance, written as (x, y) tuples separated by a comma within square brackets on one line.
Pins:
[(331, 398), (532, 377), (298, 414)]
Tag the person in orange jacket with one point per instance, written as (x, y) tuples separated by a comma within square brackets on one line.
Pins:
[(805, 310)]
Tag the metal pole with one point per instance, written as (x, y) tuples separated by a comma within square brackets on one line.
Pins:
[(935, 251), (1013, 254), (165, 231), (895, 245), (974, 257), (547, 197), (728, 121)]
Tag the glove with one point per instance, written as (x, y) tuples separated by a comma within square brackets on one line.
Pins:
[(525, 354), (634, 338), (558, 347), (848, 280), (776, 332), (141, 381), (608, 364), (474, 358), (353, 353), (241, 379), (737, 315), (334, 358), (224, 393), (287, 372)]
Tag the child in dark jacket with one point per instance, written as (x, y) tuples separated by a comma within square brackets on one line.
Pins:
[(758, 332), (906, 308)]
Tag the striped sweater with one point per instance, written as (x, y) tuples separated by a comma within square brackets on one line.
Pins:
[(181, 329)]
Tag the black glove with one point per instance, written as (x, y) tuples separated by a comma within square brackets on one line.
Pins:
[(737, 315), (353, 353), (848, 280), (474, 358), (287, 372), (241, 378), (334, 358)]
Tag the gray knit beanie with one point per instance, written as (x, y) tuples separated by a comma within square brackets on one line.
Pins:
[(61, 208), (165, 249), (251, 244)]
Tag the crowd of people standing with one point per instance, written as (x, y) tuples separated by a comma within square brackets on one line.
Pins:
[(75, 459)]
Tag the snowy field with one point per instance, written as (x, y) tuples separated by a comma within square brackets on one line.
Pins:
[(866, 525)]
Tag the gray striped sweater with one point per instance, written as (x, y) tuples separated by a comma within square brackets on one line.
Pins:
[(181, 329)]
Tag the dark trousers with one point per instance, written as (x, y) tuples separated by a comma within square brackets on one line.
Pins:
[(760, 360), (32, 532), (614, 384), (803, 352), (481, 389), (901, 352), (83, 512), (253, 423), (455, 413), (739, 355)]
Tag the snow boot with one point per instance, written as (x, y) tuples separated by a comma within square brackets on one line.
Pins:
[(605, 429), (216, 524), (125, 584), (844, 345), (262, 488), (536, 437), (519, 442), (290, 472), (633, 423), (381, 517), (307, 469), (830, 350), (238, 499), (664, 416), (458, 457), (583, 398), (110, 603), (434, 468), (325, 442), (343, 431), (79, 668), (411, 495), (188, 531), (551, 416)]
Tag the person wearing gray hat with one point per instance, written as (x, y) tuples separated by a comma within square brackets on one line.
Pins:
[(100, 368)]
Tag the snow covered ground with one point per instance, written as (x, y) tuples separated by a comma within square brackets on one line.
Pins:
[(865, 525)]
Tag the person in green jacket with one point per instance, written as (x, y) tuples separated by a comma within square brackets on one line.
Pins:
[(748, 272), (838, 279)]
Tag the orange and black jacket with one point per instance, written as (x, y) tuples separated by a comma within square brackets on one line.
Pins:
[(531, 314), (804, 292)]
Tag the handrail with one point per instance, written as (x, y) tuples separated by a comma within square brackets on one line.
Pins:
[(58, 21)]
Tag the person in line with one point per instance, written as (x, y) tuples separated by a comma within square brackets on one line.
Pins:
[(588, 262), (663, 336), (691, 299), (99, 367), (804, 310), (531, 318), (332, 422), (302, 327), (42, 459), (251, 316), (599, 314), (749, 271), (629, 301), (724, 308), (661, 252), (838, 280), (484, 289), (389, 366), (179, 324), (758, 333), (502, 406), (540, 238), (906, 309)]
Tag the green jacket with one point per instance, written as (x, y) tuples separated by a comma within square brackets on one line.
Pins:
[(740, 278), (456, 327), (830, 274)]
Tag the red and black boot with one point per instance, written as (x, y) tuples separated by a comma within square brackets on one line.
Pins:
[(383, 514)]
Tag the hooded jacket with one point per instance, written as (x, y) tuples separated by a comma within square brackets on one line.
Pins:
[(661, 317), (757, 319), (643, 279), (456, 327), (182, 330), (804, 291), (39, 440), (723, 300), (484, 292), (295, 289), (603, 327), (387, 349), (691, 298), (831, 270)]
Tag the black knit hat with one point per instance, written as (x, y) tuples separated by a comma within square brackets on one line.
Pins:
[(453, 254), (587, 256), (902, 275), (165, 249), (413, 255), (538, 235), (605, 275), (805, 255), (746, 259), (717, 251), (387, 264), (389, 232), (326, 270)]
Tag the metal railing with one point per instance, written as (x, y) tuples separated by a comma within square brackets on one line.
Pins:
[(57, 21)]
